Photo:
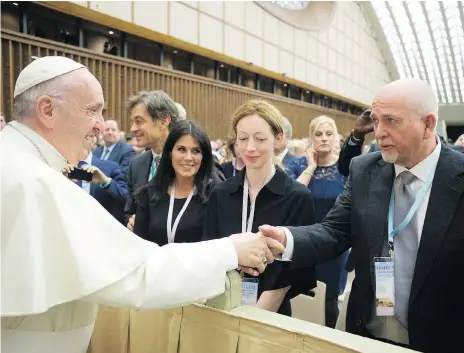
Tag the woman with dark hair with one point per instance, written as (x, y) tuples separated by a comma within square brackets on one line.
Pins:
[(171, 206)]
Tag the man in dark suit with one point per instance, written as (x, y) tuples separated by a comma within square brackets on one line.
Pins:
[(115, 150), (108, 185), (280, 149), (413, 165)]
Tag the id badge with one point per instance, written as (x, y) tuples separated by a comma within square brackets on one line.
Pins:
[(384, 286), (249, 291)]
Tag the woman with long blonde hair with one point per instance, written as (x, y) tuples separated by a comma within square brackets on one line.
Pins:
[(262, 194), (318, 171)]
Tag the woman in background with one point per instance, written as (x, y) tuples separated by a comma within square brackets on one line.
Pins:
[(172, 205), (262, 194), (319, 172), (236, 164)]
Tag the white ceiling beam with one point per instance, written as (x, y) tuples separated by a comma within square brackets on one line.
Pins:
[(417, 43), (440, 69), (453, 57), (387, 54)]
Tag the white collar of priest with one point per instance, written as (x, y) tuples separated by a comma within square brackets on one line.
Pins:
[(51, 155), (422, 169), (88, 160)]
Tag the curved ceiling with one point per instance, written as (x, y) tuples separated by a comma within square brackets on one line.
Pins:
[(427, 42), (306, 15)]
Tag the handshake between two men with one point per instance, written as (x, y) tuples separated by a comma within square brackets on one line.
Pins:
[(256, 250)]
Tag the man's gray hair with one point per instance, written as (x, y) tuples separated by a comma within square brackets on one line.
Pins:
[(182, 111), (24, 103), (158, 103), (287, 127)]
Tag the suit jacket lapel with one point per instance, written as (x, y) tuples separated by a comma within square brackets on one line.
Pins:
[(447, 188), (379, 199), (146, 166), (113, 152)]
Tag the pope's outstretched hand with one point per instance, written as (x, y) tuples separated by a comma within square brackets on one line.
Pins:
[(254, 251)]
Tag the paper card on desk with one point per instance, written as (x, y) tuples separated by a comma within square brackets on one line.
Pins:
[(384, 286), (249, 291)]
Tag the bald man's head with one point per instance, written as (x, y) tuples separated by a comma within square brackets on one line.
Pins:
[(405, 114), (416, 94)]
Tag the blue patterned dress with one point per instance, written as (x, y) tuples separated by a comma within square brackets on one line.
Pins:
[(326, 185)]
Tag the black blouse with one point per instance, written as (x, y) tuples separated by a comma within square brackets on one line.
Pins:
[(282, 202), (151, 217)]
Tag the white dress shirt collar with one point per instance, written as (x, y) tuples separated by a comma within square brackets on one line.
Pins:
[(88, 160), (109, 148), (53, 158), (428, 165), (282, 155)]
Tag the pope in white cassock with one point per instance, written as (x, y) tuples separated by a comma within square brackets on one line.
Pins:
[(62, 253)]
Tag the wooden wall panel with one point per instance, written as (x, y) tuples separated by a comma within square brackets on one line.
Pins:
[(209, 102)]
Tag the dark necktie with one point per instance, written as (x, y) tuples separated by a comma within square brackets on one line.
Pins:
[(106, 154)]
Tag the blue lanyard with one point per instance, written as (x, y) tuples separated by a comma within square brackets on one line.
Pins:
[(152, 169), (235, 168), (391, 211)]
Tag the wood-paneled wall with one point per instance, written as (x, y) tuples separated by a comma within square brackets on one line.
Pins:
[(207, 101)]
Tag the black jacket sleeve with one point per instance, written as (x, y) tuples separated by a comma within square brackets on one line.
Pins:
[(303, 279), (347, 153), (142, 215), (328, 239), (130, 207), (210, 227)]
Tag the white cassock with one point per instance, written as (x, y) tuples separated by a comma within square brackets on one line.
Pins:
[(62, 254)]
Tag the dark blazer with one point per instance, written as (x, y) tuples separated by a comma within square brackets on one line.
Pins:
[(359, 220), (137, 176), (457, 148), (348, 152), (287, 159), (122, 154), (112, 198)]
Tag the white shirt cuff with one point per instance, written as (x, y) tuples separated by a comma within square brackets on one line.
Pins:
[(231, 257), (288, 253)]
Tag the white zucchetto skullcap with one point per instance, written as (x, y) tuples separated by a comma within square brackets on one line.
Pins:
[(44, 69)]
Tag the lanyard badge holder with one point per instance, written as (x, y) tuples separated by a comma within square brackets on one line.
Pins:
[(385, 266), (172, 228), (249, 285)]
